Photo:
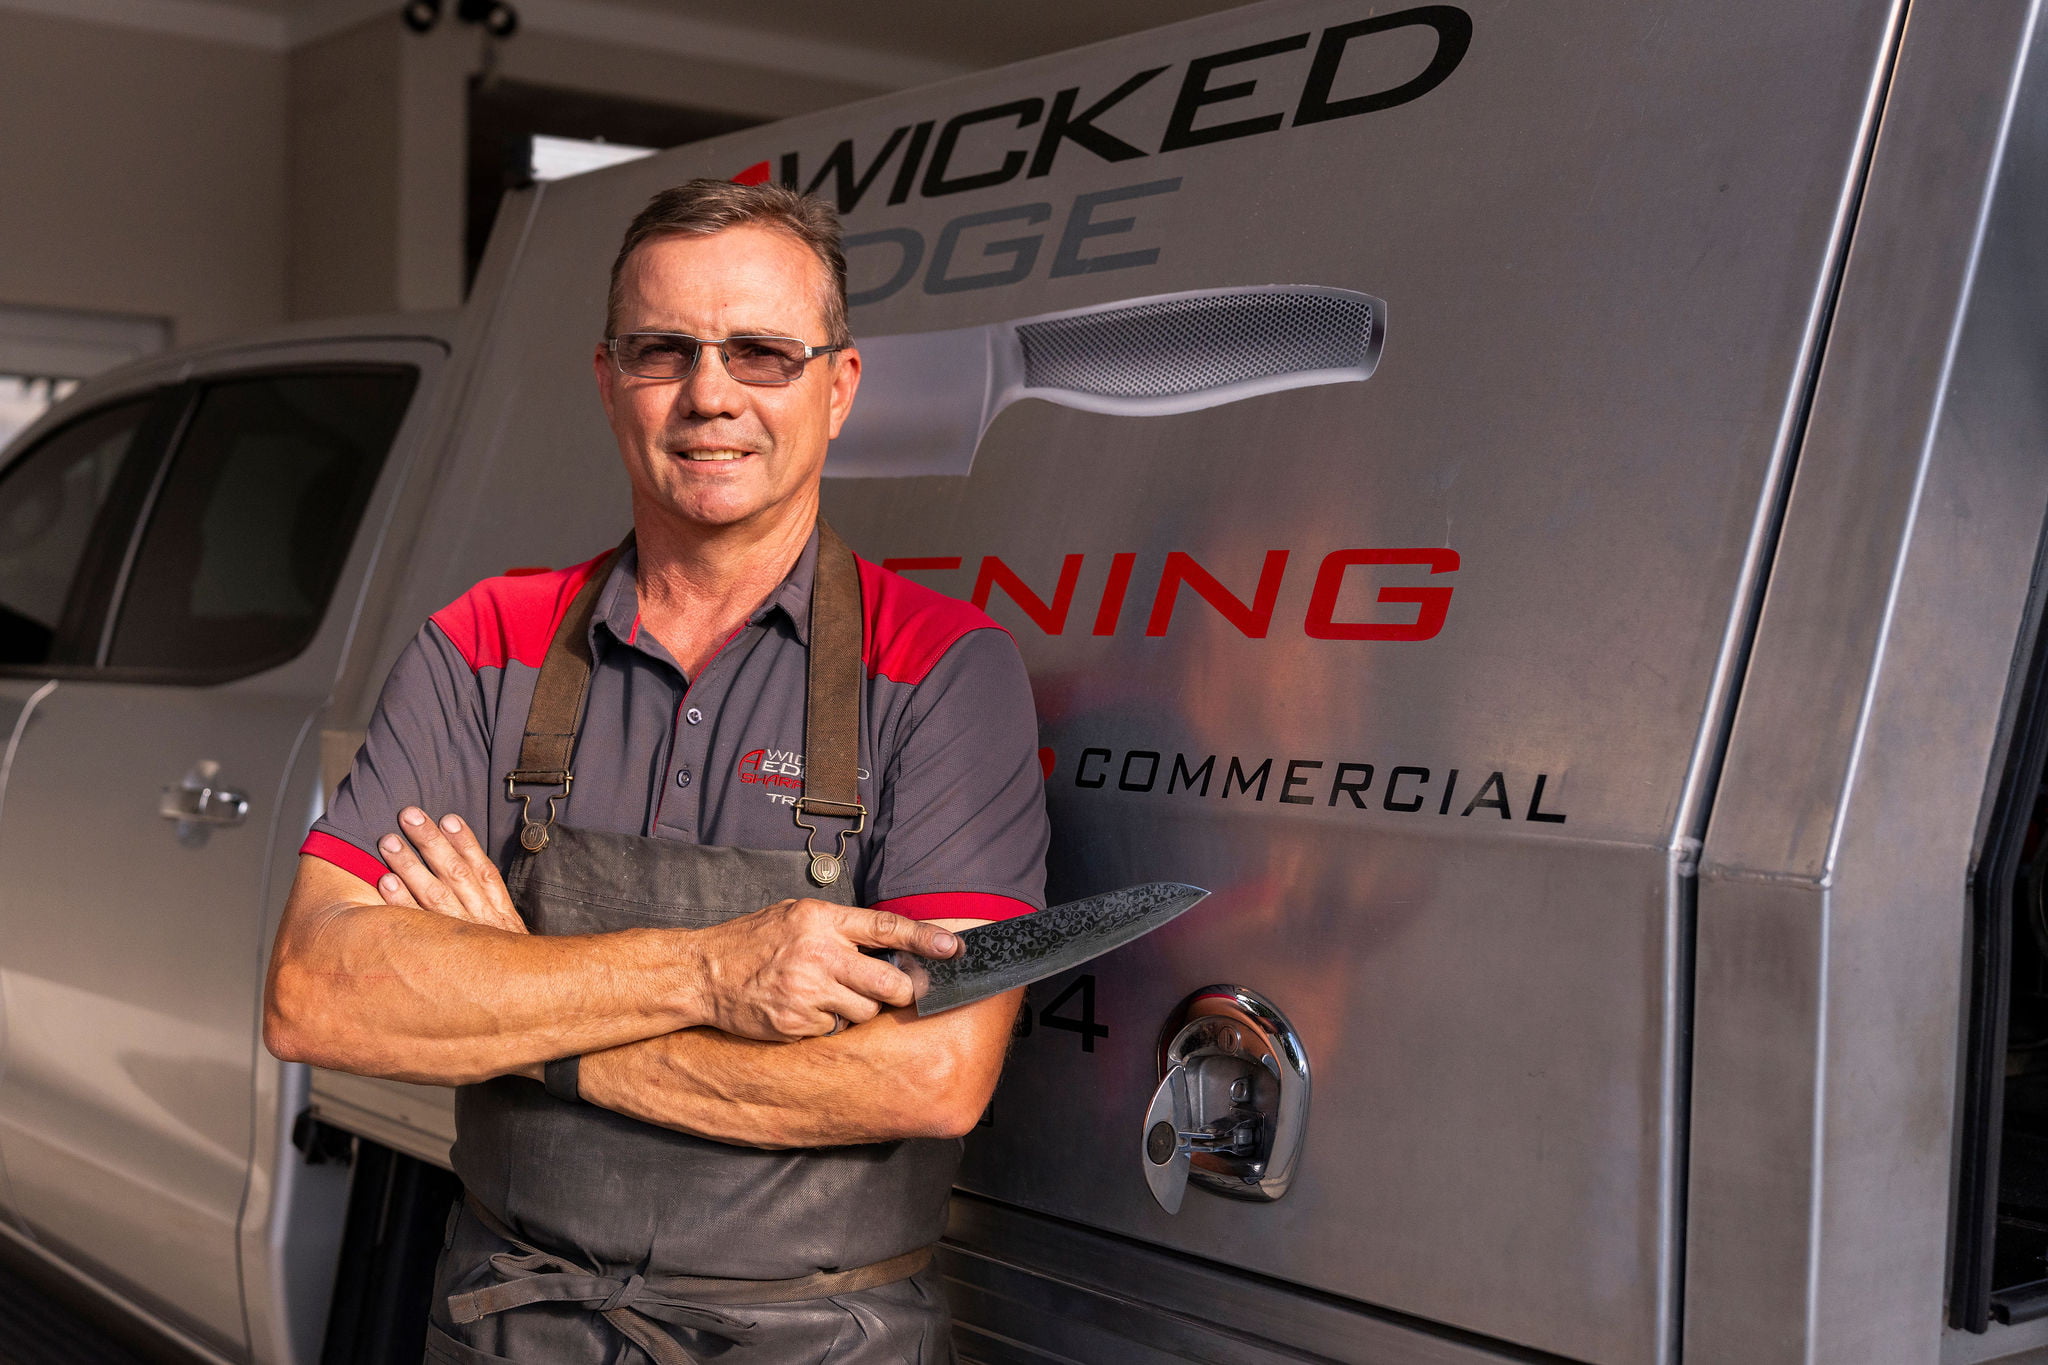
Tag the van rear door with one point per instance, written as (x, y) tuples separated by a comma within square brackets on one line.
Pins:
[(159, 787)]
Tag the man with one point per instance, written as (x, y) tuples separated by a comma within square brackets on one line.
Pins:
[(693, 1117)]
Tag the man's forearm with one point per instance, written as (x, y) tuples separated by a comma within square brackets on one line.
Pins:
[(896, 1076), (412, 995), (440, 982)]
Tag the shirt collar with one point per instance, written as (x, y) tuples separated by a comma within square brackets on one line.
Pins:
[(618, 602), (793, 597)]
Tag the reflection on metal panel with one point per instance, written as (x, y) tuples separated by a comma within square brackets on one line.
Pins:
[(1078, 1296)]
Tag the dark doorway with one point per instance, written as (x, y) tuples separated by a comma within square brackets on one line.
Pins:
[(505, 116)]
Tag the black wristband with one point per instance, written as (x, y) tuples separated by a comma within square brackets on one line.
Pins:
[(559, 1076)]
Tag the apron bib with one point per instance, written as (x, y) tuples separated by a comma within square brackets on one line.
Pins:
[(591, 1237)]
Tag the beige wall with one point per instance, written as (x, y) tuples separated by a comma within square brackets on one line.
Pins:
[(141, 173), (344, 136), (666, 78), (225, 188), (378, 141)]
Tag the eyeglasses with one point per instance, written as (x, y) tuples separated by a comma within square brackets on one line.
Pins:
[(748, 359)]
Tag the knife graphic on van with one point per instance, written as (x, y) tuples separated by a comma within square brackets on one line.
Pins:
[(926, 398)]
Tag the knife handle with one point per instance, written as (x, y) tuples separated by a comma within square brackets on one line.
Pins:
[(908, 963)]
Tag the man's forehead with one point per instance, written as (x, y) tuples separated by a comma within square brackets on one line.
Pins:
[(740, 272)]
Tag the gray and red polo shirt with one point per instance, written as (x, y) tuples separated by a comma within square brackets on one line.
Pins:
[(949, 767)]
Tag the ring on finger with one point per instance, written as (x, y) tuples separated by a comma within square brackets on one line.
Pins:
[(838, 1025)]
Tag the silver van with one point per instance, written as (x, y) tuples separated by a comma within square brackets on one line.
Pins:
[(1540, 507)]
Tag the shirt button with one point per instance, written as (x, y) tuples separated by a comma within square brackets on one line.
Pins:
[(683, 778), (693, 715)]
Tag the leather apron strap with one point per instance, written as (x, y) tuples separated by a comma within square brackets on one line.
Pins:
[(830, 782), (557, 709), (832, 705), (530, 1275)]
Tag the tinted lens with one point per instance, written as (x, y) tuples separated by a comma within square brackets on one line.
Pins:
[(653, 355), (764, 360)]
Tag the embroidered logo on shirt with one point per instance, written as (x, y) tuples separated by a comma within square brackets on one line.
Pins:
[(779, 773)]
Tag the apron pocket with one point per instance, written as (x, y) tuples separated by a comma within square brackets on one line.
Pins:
[(443, 1349)]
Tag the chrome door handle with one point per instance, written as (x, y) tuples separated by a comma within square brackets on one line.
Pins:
[(1167, 1148), (1232, 1103), (201, 799)]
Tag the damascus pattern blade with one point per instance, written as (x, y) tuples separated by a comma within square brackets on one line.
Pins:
[(999, 957)]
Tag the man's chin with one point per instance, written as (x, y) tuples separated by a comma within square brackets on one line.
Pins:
[(723, 513)]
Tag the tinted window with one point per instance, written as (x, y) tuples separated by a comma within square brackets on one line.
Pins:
[(254, 519), (51, 499)]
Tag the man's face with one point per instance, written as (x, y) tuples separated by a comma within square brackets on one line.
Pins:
[(706, 449)]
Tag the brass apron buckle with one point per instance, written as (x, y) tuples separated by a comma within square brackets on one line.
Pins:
[(825, 867), (533, 834)]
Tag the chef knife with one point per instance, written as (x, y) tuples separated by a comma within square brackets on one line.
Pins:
[(1016, 952)]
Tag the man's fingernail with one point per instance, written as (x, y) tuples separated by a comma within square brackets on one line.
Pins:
[(412, 816), (451, 824), (944, 941), (388, 884), (391, 843)]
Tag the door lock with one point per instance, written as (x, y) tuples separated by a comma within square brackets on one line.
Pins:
[(1232, 1104), (201, 802)]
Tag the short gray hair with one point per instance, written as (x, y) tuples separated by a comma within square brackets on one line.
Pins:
[(702, 207)]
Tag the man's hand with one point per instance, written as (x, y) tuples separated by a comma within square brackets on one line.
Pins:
[(782, 973), (449, 873), (790, 971)]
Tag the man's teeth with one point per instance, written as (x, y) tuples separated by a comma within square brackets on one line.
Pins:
[(715, 454)]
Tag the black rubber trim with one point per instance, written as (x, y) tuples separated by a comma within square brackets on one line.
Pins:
[(1981, 1116), (2024, 1304)]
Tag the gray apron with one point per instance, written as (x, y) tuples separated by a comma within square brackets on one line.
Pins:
[(587, 1236)]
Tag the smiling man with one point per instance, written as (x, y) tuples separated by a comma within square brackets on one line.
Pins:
[(693, 1118)]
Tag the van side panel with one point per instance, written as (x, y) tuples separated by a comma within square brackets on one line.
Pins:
[(1424, 675)]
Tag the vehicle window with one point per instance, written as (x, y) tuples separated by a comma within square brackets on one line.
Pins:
[(254, 519), (51, 498)]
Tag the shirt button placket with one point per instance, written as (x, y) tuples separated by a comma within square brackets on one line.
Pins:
[(680, 814), (694, 716)]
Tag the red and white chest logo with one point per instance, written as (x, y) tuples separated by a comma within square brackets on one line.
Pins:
[(771, 768), (778, 773)]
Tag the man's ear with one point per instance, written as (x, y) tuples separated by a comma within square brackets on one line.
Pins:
[(601, 365), (845, 383)]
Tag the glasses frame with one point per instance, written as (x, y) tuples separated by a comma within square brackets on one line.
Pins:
[(810, 353)]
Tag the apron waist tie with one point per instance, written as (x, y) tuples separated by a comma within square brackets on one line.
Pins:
[(536, 1276)]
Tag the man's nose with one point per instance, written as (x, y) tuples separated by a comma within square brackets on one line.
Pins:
[(709, 390)]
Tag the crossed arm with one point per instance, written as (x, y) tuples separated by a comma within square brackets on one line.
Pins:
[(431, 976)]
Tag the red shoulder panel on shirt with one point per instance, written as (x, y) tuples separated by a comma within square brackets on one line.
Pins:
[(512, 618), (346, 856), (957, 905), (906, 627)]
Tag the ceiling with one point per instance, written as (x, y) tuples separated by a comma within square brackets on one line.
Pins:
[(966, 36), (971, 35)]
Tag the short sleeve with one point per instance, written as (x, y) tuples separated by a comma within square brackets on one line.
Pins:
[(427, 746), (966, 832)]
